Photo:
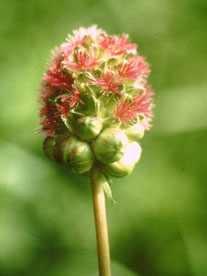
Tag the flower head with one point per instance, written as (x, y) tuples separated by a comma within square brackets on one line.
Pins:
[(95, 89)]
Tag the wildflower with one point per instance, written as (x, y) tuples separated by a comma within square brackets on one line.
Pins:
[(96, 102)]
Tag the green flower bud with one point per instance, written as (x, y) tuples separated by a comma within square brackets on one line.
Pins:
[(110, 144), (75, 154), (49, 146), (68, 121), (135, 132), (125, 166), (88, 128), (91, 104)]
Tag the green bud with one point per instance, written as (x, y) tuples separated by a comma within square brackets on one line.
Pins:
[(135, 132), (88, 128), (68, 122), (110, 144), (49, 146), (125, 166), (75, 154), (91, 104), (88, 41)]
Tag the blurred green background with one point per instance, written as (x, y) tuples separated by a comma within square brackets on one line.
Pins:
[(159, 225)]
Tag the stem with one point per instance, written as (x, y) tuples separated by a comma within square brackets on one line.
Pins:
[(101, 222)]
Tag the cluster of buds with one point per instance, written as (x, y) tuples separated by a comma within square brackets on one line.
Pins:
[(96, 103)]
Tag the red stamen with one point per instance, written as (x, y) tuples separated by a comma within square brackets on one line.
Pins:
[(56, 78), (108, 82), (127, 110), (116, 45), (84, 60), (133, 69)]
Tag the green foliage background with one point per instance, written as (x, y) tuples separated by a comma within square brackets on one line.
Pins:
[(159, 225)]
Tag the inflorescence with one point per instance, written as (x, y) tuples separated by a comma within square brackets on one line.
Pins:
[(96, 103)]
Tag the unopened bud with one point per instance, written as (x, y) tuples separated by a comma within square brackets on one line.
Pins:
[(88, 128), (125, 166), (110, 144), (75, 154), (48, 147), (135, 132)]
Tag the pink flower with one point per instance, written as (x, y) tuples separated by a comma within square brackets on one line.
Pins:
[(52, 112), (95, 93), (127, 110), (68, 101), (55, 78), (78, 38), (93, 31), (108, 82), (49, 116), (116, 45), (85, 60), (134, 68), (73, 42), (93, 63), (49, 126)]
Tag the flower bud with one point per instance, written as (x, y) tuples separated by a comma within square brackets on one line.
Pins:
[(125, 166), (75, 154), (88, 128), (110, 144), (135, 132), (48, 147)]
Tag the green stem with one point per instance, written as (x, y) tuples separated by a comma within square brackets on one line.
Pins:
[(97, 181)]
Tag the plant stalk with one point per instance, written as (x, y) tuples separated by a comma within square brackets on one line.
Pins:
[(97, 181)]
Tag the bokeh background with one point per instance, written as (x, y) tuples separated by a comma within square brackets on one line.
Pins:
[(159, 225)]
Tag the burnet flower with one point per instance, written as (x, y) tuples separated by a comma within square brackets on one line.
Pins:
[(96, 103)]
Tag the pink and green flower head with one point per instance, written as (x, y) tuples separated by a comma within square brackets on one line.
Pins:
[(96, 103)]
